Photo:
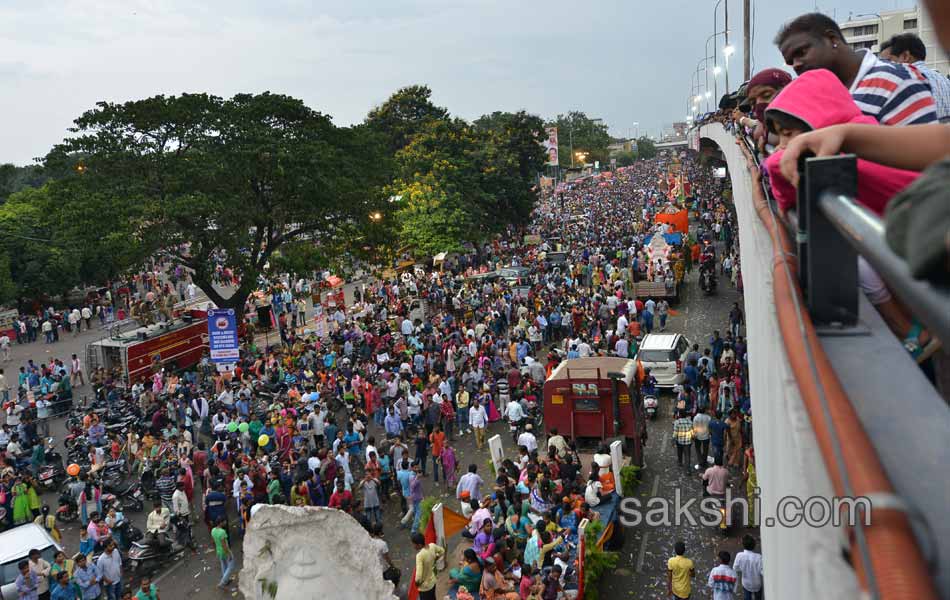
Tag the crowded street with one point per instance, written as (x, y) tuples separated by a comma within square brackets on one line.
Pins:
[(412, 301), (508, 328)]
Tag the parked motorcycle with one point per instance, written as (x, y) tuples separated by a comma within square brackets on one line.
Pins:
[(145, 557), (650, 405), (125, 534), (129, 496), (183, 532), (68, 510)]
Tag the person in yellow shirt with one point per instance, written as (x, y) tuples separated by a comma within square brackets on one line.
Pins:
[(679, 572), (426, 558)]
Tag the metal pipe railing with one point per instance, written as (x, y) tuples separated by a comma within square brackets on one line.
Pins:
[(865, 233)]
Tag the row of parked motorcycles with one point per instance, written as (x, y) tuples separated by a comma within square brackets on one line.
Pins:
[(119, 491)]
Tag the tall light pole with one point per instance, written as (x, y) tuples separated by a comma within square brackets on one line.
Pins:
[(716, 30), (725, 26), (746, 42), (716, 69), (727, 52)]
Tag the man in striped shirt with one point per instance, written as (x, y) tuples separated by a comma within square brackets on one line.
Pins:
[(891, 93), (909, 49)]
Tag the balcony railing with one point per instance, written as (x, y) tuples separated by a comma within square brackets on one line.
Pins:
[(833, 229)]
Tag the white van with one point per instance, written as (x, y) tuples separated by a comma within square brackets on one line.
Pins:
[(15, 545), (665, 355)]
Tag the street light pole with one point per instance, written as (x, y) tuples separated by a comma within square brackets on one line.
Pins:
[(715, 33), (746, 42), (725, 10), (715, 63)]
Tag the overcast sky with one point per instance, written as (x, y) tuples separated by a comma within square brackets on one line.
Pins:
[(625, 61)]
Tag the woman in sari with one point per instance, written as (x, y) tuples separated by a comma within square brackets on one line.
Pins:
[(468, 574), (751, 483), (734, 438)]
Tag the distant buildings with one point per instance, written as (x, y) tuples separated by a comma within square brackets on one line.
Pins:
[(870, 30)]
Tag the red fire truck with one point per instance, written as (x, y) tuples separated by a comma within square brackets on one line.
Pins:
[(597, 398), (139, 351)]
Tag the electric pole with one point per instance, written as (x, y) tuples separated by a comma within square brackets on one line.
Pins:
[(746, 42)]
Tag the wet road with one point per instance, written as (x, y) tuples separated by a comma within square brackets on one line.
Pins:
[(641, 572)]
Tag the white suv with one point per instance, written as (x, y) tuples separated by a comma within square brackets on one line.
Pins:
[(665, 355), (15, 545)]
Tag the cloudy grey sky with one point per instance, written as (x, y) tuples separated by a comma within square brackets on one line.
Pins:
[(625, 61)]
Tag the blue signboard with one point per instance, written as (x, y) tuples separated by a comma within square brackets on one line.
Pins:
[(222, 335)]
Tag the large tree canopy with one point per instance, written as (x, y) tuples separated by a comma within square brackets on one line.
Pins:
[(35, 261), (404, 115), (513, 160), (213, 181), (461, 183)]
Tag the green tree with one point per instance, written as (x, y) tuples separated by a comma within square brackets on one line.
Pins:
[(212, 181), (404, 115), (14, 178), (590, 137), (625, 159), (513, 159), (646, 148), (35, 262), (442, 204)]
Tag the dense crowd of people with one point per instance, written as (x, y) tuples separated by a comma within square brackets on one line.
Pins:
[(358, 419)]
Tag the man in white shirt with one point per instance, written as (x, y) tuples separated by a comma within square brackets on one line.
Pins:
[(75, 321), (622, 324), (748, 566), (558, 442), (471, 482), (110, 568), (5, 347), (156, 525), (200, 408), (180, 506), (75, 372), (226, 397), (316, 422), (515, 413), (584, 349), (86, 314), (622, 348), (478, 420), (527, 439), (47, 329), (415, 406), (42, 416), (4, 387)]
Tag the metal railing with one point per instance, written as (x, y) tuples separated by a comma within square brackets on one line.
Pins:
[(833, 230)]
